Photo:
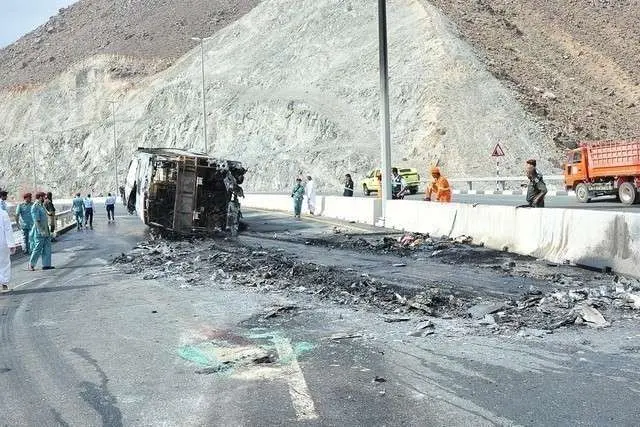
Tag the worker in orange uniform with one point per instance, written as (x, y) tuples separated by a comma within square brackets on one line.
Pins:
[(439, 188)]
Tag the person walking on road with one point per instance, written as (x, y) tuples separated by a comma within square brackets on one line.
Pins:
[(298, 197), (348, 186), (110, 203), (88, 211), (311, 195), (3, 200), (536, 189), (7, 248), (77, 206), (25, 220), (51, 213), (439, 190), (40, 235), (122, 197)]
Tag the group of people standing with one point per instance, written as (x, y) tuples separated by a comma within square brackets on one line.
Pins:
[(300, 193), (37, 219)]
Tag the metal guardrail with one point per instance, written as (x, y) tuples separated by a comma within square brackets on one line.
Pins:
[(501, 180), (64, 219)]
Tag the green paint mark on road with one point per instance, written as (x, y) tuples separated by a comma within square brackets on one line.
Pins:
[(204, 354), (303, 347), (193, 354), (221, 356)]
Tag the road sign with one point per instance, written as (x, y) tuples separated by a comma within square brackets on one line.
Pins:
[(498, 151)]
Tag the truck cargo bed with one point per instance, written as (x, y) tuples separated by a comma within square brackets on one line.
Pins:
[(614, 158)]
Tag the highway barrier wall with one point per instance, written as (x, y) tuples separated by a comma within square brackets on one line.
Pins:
[(364, 210), (591, 238)]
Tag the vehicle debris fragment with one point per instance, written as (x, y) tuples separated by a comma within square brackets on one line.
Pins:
[(344, 336)]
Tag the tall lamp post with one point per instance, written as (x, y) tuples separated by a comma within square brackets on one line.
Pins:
[(204, 104), (33, 153), (385, 131), (115, 142)]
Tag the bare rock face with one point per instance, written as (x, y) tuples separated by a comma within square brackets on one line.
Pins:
[(289, 90)]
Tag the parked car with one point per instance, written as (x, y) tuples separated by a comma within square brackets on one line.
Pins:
[(370, 183)]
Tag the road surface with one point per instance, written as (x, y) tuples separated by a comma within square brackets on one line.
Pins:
[(87, 344)]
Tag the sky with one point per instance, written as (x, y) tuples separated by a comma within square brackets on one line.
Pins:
[(18, 17)]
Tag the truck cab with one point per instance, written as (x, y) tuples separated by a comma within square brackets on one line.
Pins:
[(575, 170)]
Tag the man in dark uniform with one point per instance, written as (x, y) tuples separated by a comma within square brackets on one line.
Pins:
[(398, 185), (51, 213), (348, 186), (537, 189)]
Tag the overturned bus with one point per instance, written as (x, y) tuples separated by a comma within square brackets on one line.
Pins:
[(184, 192)]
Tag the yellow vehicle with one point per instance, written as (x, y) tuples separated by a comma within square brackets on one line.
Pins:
[(370, 183)]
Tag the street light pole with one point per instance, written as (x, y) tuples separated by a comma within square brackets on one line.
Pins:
[(385, 131), (115, 142), (204, 104), (33, 153)]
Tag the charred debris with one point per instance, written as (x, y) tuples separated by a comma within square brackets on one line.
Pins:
[(184, 193)]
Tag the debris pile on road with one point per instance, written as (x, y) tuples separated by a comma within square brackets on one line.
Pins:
[(567, 300), (403, 245), (581, 306), (201, 262)]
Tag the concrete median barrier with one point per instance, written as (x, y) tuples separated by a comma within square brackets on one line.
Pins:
[(358, 209), (597, 239)]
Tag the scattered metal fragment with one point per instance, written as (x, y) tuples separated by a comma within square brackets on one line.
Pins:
[(344, 336), (270, 357), (592, 317), (396, 319), (425, 325), (478, 311), (279, 311), (215, 369)]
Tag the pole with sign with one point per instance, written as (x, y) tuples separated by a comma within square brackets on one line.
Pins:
[(497, 153)]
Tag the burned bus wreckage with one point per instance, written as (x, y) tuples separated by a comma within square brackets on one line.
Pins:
[(184, 192)]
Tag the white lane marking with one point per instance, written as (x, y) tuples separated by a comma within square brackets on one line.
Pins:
[(26, 283), (298, 389)]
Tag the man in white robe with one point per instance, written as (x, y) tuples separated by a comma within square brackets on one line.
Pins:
[(310, 193), (7, 248)]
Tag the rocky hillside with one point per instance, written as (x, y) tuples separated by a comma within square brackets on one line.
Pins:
[(289, 91), (159, 31), (574, 63)]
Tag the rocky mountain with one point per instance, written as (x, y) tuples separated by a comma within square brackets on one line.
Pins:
[(292, 90), (573, 63), (155, 32)]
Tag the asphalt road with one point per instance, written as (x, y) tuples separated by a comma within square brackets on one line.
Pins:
[(88, 345)]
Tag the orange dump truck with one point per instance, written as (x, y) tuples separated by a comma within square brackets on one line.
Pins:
[(604, 168)]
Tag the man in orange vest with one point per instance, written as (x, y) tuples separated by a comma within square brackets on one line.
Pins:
[(439, 188)]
